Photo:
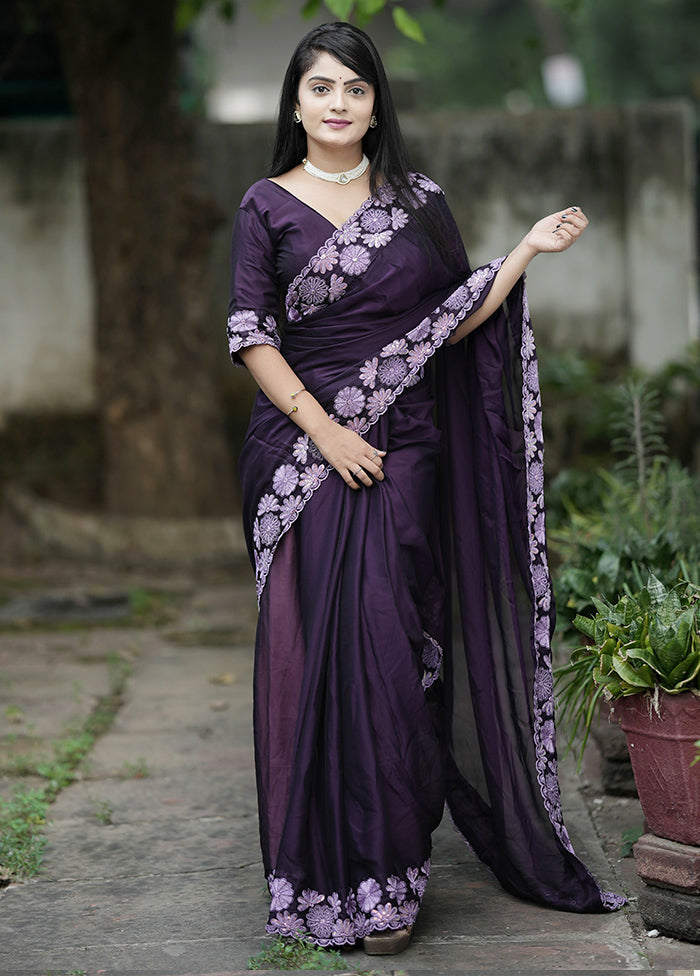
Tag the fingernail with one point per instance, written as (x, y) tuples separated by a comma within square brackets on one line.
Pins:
[(574, 210), (557, 227)]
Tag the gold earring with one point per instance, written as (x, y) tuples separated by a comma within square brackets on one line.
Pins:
[(297, 115), (373, 122)]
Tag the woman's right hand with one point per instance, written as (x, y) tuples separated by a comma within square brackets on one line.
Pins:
[(356, 461)]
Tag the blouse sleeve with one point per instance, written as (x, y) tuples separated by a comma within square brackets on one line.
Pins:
[(253, 303)]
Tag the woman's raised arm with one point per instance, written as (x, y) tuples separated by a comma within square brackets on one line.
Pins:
[(554, 233)]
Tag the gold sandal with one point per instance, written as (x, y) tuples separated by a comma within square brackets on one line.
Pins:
[(387, 943)]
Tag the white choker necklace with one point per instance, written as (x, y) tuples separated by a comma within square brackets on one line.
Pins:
[(351, 174)]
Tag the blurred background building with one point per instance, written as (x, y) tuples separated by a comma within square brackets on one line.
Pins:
[(516, 107)]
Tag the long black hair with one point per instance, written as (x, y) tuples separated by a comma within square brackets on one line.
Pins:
[(384, 144)]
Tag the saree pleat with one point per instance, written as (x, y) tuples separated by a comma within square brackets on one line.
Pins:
[(371, 710)]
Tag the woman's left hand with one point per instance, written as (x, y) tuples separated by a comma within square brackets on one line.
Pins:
[(558, 231)]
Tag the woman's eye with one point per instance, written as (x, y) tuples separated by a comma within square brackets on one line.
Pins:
[(320, 89), (357, 91)]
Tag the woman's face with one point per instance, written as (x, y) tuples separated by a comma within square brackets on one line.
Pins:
[(335, 105)]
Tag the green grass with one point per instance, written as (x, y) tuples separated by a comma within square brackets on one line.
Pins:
[(23, 817), (22, 841), (135, 770), (103, 810), (298, 953)]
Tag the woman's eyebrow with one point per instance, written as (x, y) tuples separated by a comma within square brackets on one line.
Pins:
[(331, 81)]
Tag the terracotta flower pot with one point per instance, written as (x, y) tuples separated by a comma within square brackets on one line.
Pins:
[(662, 747)]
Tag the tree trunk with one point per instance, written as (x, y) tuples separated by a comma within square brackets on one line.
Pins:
[(150, 235)]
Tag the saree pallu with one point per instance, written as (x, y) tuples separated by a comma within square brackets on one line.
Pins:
[(371, 709)]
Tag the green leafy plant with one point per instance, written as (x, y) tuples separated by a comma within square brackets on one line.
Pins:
[(103, 810), (629, 839), (297, 953), (647, 518), (645, 642)]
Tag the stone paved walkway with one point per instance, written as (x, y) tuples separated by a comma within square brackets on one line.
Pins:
[(152, 865)]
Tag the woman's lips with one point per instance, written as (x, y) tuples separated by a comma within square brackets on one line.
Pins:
[(336, 123)]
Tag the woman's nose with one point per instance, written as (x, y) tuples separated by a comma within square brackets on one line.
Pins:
[(338, 101)]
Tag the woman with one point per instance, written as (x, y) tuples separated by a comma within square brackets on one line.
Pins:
[(360, 507)]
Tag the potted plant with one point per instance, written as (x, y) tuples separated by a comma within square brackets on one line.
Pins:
[(643, 656)]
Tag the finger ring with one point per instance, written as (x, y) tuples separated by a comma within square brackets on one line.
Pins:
[(374, 455), (355, 473)]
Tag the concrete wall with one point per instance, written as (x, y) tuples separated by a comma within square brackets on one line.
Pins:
[(46, 290), (629, 288)]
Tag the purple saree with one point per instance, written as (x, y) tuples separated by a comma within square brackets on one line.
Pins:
[(372, 709)]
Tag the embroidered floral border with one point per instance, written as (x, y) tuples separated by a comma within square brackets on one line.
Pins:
[(248, 327), (348, 253), (360, 404), (329, 919), (431, 659), (543, 693)]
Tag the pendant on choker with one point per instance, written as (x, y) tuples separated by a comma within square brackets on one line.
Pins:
[(346, 177)]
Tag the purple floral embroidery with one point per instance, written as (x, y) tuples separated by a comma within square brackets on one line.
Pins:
[(427, 184), (326, 258), (312, 477), (537, 479), (368, 373), (349, 233), (244, 320), (457, 298), (375, 220), (543, 701), (308, 899), (343, 933), (444, 325), (419, 354), (378, 402), (374, 906), (386, 194), (291, 509), (313, 290), (398, 347), (422, 330), (529, 405), (408, 912), (431, 658), (528, 344), (374, 226), (285, 923), (349, 401), (378, 238), (399, 218), (396, 888), (391, 372), (285, 479), (282, 893), (384, 915), (321, 921), (354, 260), (247, 327), (368, 894), (397, 366), (336, 288), (270, 528), (268, 503)]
